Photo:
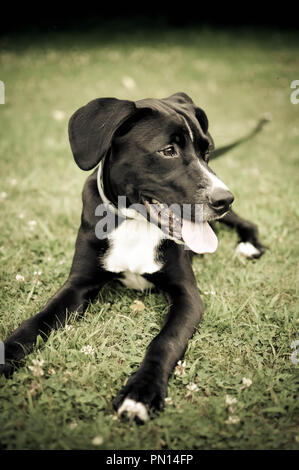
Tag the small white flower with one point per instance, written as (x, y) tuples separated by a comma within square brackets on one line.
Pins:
[(97, 440), (3, 196), (37, 367), (20, 278), (37, 275), (58, 115), (69, 328), (73, 425), (233, 419), (38, 362), (21, 215), (32, 224), (13, 182), (168, 401), (192, 387), (246, 382), (230, 400), (180, 368), (88, 350)]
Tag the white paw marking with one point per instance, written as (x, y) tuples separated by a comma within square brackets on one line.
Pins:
[(133, 409), (247, 249)]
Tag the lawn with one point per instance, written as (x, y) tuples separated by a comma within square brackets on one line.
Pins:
[(237, 387)]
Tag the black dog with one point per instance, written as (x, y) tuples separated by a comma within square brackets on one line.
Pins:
[(155, 154)]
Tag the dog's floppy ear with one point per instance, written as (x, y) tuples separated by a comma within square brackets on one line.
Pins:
[(204, 124), (92, 127), (202, 119)]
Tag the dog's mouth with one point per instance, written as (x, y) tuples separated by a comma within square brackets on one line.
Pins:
[(197, 234)]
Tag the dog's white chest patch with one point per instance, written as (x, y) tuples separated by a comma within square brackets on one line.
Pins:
[(133, 251)]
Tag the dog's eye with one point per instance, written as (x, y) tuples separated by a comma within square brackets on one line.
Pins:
[(168, 151)]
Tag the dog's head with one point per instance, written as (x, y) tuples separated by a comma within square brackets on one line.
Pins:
[(157, 154)]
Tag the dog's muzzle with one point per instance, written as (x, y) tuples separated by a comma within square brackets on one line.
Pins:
[(220, 200)]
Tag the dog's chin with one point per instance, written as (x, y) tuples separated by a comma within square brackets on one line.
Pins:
[(216, 216)]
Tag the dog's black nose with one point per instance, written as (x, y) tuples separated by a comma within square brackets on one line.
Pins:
[(220, 199)]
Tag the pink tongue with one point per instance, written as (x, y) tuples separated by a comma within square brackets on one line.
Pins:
[(200, 238)]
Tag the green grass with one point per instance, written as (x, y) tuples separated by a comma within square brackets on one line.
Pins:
[(250, 307)]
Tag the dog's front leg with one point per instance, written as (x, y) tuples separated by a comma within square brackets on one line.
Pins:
[(146, 389), (83, 284)]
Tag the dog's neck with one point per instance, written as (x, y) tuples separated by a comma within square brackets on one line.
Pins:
[(101, 190)]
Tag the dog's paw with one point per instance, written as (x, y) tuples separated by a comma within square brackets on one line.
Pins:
[(140, 398), (7, 370), (250, 246), (134, 410), (250, 251)]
